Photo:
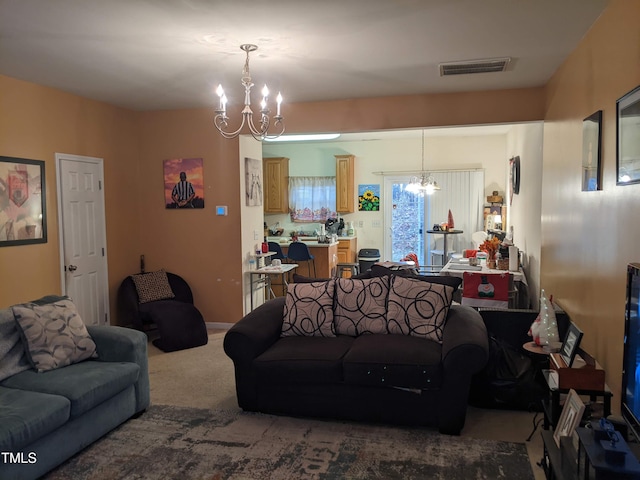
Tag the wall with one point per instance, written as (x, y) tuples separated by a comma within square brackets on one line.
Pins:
[(589, 237), (526, 141), (391, 155), (35, 123)]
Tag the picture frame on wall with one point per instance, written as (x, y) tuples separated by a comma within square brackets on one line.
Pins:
[(253, 182), (628, 138), (183, 183), (570, 417), (592, 152), (23, 219)]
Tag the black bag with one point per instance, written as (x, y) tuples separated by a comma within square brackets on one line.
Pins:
[(509, 380)]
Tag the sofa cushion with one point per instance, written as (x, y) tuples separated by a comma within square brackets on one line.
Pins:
[(308, 310), (394, 361), (12, 357), (418, 308), (152, 286), (54, 334), (27, 416), (361, 305), (85, 384), (303, 360)]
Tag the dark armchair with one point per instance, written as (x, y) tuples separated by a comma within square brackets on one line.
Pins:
[(179, 323)]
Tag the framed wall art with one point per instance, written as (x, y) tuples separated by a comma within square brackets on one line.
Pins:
[(592, 152), (369, 198), (253, 181), (183, 183), (628, 133), (23, 218)]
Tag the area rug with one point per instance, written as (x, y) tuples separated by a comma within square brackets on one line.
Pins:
[(170, 442)]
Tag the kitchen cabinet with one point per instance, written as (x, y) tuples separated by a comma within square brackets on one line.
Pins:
[(347, 250), (276, 184), (345, 165)]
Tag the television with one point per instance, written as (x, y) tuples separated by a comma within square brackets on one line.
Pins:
[(630, 407)]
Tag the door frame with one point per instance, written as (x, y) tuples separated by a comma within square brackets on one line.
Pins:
[(63, 282)]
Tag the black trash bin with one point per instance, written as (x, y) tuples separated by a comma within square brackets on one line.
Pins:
[(367, 257)]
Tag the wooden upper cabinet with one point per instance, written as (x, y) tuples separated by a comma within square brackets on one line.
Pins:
[(276, 185), (344, 183)]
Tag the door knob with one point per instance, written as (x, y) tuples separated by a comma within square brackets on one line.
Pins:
[(72, 268)]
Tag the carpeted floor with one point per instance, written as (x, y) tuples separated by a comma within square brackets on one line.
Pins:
[(195, 430), (186, 443)]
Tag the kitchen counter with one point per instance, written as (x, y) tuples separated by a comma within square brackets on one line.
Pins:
[(310, 241)]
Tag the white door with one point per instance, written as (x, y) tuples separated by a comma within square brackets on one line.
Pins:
[(83, 246)]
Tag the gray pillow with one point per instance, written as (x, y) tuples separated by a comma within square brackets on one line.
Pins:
[(54, 335), (361, 306)]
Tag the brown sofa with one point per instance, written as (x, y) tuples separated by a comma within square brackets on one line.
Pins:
[(390, 378)]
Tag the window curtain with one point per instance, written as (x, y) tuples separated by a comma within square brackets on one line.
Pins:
[(462, 192), (312, 199)]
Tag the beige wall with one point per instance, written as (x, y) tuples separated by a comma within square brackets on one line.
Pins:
[(589, 237), (35, 123)]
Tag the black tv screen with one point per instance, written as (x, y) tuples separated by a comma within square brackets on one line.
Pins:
[(631, 353)]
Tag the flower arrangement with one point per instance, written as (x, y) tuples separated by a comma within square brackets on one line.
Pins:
[(491, 247)]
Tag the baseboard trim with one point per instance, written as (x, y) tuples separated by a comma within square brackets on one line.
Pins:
[(218, 325)]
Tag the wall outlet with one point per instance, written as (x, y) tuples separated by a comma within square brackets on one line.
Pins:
[(361, 224), (255, 235), (376, 223)]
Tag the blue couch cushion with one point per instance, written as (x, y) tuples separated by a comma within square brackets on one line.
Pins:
[(86, 384), (303, 360), (394, 361), (27, 416)]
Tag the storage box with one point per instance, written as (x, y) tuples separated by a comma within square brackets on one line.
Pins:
[(585, 374)]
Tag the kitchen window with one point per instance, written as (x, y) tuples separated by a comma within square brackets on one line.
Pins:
[(312, 199)]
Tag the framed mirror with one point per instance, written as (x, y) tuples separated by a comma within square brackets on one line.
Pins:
[(628, 129)]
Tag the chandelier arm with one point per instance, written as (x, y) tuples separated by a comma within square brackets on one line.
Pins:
[(220, 121)]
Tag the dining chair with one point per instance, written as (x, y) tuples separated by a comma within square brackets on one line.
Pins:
[(299, 252), (486, 289)]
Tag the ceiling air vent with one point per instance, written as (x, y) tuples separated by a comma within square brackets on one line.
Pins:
[(474, 66)]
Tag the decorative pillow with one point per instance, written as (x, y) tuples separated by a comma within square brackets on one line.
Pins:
[(54, 335), (361, 305), (152, 286), (308, 310), (418, 308)]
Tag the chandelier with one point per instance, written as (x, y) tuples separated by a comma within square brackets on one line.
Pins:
[(424, 184), (260, 132)]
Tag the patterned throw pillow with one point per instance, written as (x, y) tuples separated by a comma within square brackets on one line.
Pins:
[(308, 310), (361, 306), (152, 286), (418, 308), (54, 334)]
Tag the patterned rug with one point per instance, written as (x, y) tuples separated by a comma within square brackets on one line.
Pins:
[(170, 442)]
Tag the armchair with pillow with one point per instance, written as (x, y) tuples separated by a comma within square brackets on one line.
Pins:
[(162, 300), (63, 385), (389, 348)]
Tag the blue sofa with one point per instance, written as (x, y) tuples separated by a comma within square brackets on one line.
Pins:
[(45, 418)]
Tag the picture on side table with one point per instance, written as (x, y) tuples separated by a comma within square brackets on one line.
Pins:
[(183, 183), (23, 218), (570, 344), (570, 417), (591, 152)]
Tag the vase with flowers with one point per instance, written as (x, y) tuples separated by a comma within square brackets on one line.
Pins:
[(491, 247)]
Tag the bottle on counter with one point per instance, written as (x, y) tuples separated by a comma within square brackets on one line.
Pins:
[(265, 246)]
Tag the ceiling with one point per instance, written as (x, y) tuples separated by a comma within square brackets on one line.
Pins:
[(171, 54)]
